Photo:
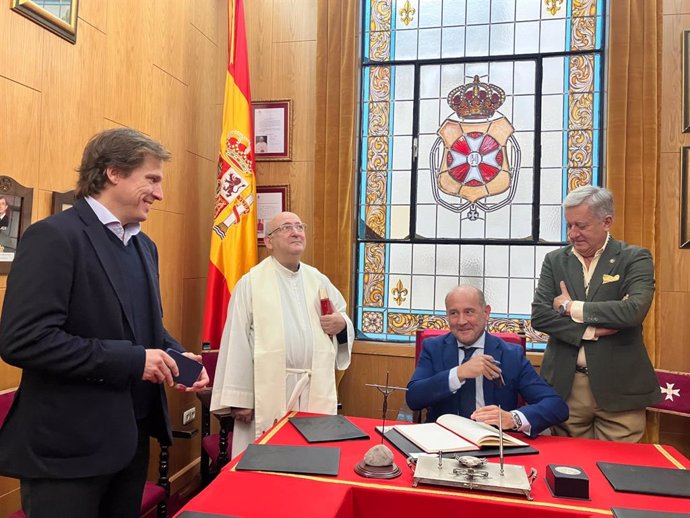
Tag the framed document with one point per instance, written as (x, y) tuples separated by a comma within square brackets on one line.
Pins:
[(15, 217), (271, 122), (271, 200)]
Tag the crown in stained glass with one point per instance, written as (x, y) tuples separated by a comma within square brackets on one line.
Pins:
[(476, 100)]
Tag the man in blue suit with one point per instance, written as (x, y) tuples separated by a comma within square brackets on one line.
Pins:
[(471, 373)]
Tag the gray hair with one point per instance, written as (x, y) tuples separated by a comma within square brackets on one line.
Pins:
[(599, 199)]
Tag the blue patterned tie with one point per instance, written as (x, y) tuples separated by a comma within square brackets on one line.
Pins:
[(468, 391)]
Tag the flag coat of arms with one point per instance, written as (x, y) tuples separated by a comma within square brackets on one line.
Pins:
[(233, 239)]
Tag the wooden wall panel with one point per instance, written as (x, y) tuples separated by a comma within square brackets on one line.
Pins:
[(21, 35), (672, 263), (72, 107), (128, 78), (294, 20), (157, 66), (259, 42), (170, 38), (295, 64), (20, 139)]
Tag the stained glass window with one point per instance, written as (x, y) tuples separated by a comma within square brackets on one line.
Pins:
[(478, 117)]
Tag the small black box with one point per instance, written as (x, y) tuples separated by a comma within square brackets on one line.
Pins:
[(567, 481)]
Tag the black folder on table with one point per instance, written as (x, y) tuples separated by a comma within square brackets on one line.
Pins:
[(327, 428), (197, 514), (620, 512), (311, 460), (650, 481), (407, 447)]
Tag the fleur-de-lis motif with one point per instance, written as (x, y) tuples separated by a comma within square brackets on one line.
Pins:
[(407, 13), (399, 293), (553, 6)]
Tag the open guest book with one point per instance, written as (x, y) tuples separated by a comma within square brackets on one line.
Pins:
[(451, 433)]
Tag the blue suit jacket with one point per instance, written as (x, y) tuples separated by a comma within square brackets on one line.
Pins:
[(429, 384)]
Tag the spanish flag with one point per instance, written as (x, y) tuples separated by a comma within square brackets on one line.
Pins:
[(233, 240)]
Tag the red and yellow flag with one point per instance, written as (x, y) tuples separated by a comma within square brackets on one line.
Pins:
[(233, 240)]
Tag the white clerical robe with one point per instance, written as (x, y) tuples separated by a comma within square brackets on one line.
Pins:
[(241, 361)]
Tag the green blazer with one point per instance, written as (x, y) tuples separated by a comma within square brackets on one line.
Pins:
[(620, 373)]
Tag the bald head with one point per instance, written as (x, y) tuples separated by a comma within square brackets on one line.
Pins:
[(467, 290), (285, 238)]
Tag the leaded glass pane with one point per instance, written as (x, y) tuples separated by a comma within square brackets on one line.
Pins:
[(470, 192)]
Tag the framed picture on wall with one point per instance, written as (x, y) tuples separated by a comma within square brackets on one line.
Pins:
[(62, 201), (271, 200), (271, 123), (58, 16), (685, 61), (15, 217)]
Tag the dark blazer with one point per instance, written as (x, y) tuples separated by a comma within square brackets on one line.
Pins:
[(620, 373), (66, 324), (429, 384)]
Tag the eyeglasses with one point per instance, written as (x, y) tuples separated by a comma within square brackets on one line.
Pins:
[(286, 228)]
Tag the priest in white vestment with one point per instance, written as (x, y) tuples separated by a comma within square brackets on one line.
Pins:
[(278, 351)]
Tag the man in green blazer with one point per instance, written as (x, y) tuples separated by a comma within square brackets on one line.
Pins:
[(591, 300)]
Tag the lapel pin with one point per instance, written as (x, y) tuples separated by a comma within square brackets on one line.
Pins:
[(612, 261)]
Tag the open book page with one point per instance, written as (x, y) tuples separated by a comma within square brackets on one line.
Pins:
[(479, 433), (431, 438)]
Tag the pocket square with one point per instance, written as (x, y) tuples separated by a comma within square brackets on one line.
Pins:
[(610, 278)]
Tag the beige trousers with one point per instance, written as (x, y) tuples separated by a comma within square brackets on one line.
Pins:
[(588, 421)]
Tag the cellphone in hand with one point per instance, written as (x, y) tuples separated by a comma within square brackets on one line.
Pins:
[(189, 369)]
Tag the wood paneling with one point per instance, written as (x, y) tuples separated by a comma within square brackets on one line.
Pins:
[(19, 131), (70, 71), (294, 20), (259, 25), (157, 66), (294, 68), (672, 263), (22, 37), (370, 364)]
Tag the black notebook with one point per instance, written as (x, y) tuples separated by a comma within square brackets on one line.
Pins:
[(407, 447), (646, 480), (620, 512), (327, 428), (311, 460)]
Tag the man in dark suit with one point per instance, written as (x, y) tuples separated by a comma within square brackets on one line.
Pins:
[(591, 299), (82, 318), (471, 373)]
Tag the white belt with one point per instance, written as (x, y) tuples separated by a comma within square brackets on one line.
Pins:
[(299, 387)]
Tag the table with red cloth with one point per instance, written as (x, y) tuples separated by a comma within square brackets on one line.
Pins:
[(260, 494)]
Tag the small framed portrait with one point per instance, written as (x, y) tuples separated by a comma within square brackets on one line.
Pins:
[(15, 217), (58, 16), (62, 201), (271, 200), (271, 122)]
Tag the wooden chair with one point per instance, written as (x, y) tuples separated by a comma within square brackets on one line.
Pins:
[(154, 501), (215, 448)]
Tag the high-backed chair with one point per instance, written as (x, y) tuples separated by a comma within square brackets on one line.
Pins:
[(154, 502), (675, 388), (215, 448)]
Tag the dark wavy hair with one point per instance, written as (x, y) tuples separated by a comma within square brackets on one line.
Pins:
[(124, 149)]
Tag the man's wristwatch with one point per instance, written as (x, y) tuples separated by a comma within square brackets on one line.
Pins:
[(563, 307), (516, 420)]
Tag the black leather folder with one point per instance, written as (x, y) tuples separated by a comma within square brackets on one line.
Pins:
[(310, 460), (650, 481), (197, 514), (327, 428), (620, 512), (407, 447)]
